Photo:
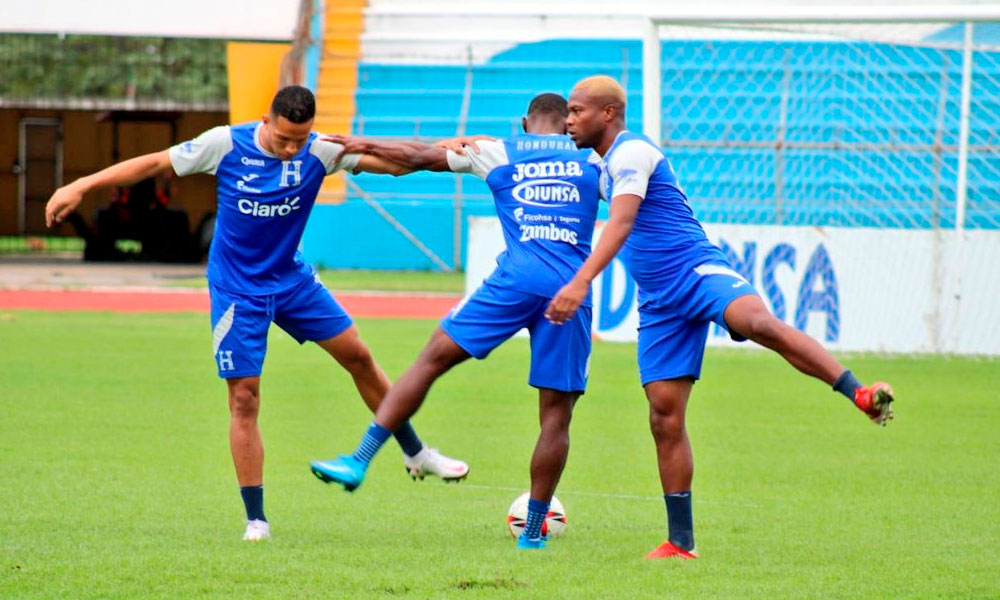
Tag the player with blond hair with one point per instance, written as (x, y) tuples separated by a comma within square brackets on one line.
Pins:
[(685, 283)]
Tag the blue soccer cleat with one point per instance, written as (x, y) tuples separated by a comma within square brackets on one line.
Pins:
[(345, 470), (525, 543)]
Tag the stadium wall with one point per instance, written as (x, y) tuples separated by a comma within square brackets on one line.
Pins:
[(853, 289)]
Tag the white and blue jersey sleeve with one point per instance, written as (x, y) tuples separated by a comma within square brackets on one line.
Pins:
[(602, 179), (631, 166), (328, 152), (492, 154), (203, 154)]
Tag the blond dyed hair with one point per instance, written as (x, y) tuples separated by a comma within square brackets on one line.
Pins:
[(604, 88)]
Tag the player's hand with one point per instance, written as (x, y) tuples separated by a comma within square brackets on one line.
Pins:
[(336, 138), (563, 306), (459, 144), (62, 203), (351, 145)]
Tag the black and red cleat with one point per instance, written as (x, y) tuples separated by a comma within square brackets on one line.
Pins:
[(876, 402)]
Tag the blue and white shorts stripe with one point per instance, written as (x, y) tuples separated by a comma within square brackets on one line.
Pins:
[(673, 328), (240, 322)]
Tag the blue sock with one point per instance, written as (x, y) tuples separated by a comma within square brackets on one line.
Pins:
[(374, 438), (847, 384), (408, 439), (679, 520), (253, 501), (537, 510)]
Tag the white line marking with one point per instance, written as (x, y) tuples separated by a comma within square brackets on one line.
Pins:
[(562, 492)]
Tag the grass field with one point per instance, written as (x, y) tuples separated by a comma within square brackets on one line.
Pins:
[(117, 483)]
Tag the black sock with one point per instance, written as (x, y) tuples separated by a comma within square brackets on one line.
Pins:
[(847, 384), (253, 500), (679, 519), (408, 439)]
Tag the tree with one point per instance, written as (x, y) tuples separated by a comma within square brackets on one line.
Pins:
[(115, 68)]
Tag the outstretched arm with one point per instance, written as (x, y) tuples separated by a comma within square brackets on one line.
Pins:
[(368, 163), (630, 169), (565, 303), (68, 197), (410, 156), (460, 144)]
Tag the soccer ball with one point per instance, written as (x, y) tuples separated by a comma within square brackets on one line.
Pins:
[(553, 526)]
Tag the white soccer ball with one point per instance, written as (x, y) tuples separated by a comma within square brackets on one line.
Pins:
[(553, 526)]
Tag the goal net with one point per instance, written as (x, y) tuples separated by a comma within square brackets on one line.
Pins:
[(851, 170)]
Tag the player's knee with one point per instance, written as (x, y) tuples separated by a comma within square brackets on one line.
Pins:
[(556, 412), (244, 402), (666, 425), (358, 360), (555, 421), (430, 366), (437, 358)]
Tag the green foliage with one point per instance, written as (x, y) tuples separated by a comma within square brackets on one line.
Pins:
[(117, 68), (117, 481), (20, 244)]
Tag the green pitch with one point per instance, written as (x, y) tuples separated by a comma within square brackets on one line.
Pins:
[(116, 481)]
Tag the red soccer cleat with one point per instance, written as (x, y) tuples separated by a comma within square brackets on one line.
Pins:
[(668, 550), (876, 402)]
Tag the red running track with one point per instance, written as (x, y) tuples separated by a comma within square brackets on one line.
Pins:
[(368, 304)]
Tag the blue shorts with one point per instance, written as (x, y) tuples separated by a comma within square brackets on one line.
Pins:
[(673, 328), (308, 312), (560, 354)]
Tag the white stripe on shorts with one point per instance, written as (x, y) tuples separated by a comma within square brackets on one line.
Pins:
[(710, 269), (222, 328)]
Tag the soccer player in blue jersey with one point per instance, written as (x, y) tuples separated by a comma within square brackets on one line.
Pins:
[(269, 173), (684, 284), (546, 193)]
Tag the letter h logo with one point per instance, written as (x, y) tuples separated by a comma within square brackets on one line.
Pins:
[(226, 360), (290, 169)]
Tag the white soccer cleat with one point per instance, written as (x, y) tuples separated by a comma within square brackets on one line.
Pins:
[(431, 462), (257, 530)]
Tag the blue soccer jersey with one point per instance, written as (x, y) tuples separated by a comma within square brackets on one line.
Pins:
[(684, 281), (666, 240), (263, 204), (546, 192), (255, 271)]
